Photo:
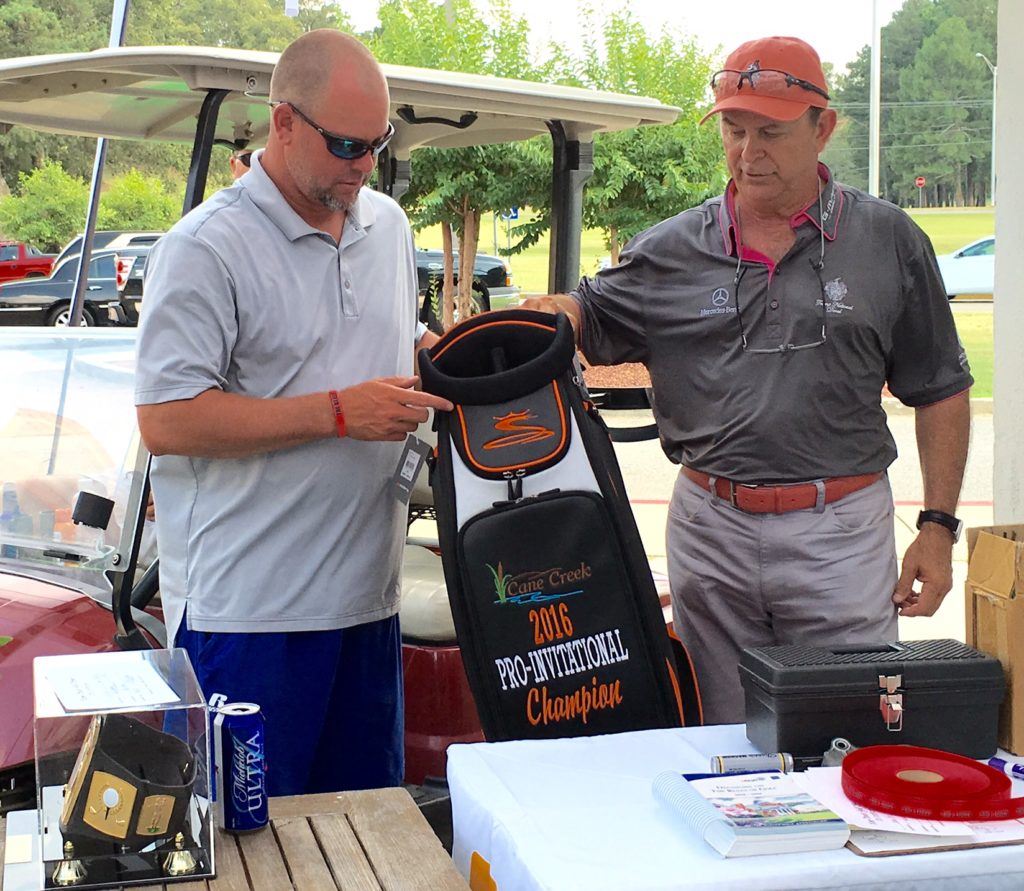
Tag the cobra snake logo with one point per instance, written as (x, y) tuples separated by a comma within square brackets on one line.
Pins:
[(517, 432)]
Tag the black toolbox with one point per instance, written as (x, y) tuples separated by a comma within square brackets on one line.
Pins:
[(936, 693)]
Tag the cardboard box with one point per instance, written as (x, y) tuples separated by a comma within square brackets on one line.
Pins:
[(995, 616)]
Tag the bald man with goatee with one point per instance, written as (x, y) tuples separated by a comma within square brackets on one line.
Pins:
[(275, 388)]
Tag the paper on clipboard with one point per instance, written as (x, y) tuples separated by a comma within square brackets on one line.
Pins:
[(876, 834), (826, 785), (93, 685)]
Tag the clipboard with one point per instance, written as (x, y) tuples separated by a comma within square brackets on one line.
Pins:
[(903, 843)]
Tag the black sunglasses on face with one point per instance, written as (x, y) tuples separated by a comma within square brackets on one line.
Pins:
[(245, 159), (345, 147)]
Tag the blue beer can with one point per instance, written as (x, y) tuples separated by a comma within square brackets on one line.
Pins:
[(240, 764)]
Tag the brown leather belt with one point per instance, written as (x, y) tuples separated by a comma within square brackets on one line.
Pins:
[(757, 499)]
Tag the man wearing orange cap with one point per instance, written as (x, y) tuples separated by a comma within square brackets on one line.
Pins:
[(770, 319)]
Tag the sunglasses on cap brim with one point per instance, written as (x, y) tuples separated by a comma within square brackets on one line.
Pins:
[(345, 147), (764, 81)]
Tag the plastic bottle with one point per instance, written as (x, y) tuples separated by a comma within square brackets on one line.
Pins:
[(9, 514), (63, 528)]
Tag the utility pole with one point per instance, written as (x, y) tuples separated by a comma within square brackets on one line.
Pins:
[(992, 175), (875, 101)]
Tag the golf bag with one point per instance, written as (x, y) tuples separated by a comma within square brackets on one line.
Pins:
[(558, 620)]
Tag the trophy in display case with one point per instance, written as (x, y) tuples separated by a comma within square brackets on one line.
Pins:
[(122, 770)]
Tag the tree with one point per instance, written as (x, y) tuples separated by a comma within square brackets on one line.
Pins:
[(31, 27), (242, 24), (454, 187), (48, 209), (647, 174), (941, 135), (916, 109), (137, 201)]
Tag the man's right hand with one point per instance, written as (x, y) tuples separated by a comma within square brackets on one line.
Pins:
[(387, 409), (547, 303), (555, 303)]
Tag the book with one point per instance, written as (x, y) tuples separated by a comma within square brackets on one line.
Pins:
[(751, 813)]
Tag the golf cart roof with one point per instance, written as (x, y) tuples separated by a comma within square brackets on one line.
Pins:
[(156, 93)]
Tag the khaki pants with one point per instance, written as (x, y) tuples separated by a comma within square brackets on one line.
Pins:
[(823, 576)]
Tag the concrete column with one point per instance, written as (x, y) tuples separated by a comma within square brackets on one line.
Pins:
[(1008, 305)]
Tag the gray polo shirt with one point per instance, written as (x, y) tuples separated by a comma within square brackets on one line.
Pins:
[(779, 417), (243, 296)]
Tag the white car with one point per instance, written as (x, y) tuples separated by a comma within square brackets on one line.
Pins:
[(970, 271)]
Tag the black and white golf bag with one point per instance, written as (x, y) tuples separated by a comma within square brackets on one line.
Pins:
[(558, 620)]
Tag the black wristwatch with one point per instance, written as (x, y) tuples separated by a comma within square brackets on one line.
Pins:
[(953, 524)]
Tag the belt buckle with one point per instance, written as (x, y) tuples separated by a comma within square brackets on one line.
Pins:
[(733, 487)]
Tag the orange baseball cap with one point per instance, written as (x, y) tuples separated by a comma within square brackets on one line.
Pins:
[(790, 80)]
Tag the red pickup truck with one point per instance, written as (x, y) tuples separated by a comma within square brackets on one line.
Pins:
[(19, 260)]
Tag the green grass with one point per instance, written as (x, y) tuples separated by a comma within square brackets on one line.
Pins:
[(952, 228), (949, 229), (975, 330)]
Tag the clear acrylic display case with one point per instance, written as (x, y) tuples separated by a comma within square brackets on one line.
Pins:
[(122, 772)]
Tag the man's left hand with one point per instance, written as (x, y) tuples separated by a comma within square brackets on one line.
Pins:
[(929, 559)]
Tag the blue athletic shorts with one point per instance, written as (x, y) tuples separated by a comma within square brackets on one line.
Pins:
[(332, 700)]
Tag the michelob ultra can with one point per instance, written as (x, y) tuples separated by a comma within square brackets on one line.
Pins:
[(240, 763)]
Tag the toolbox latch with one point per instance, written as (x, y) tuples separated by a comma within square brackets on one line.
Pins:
[(890, 701)]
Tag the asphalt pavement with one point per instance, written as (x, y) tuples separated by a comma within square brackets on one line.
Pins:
[(649, 477)]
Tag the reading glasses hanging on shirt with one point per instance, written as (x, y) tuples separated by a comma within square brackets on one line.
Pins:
[(784, 347)]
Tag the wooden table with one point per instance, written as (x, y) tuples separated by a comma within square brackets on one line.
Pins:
[(365, 841)]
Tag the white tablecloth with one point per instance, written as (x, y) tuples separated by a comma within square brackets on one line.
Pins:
[(579, 814)]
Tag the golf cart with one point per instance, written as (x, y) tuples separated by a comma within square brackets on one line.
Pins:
[(67, 588)]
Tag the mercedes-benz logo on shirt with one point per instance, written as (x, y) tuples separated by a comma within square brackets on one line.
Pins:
[(720, 297)]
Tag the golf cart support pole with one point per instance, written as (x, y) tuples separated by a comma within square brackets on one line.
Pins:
[(572, 166), (199, 167), (128, 636), (393, 175), (118, 28)]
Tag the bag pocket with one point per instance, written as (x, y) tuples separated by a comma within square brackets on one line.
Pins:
[(555, 631)]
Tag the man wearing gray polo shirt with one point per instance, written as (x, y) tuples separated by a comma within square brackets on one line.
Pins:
[(770, 319), (275, 388)]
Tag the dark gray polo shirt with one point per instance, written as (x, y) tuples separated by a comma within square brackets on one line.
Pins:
[(779, 417)]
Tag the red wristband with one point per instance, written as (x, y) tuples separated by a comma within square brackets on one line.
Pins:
[(339, 415)]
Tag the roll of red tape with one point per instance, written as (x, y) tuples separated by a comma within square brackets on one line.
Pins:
[(912, 781)]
